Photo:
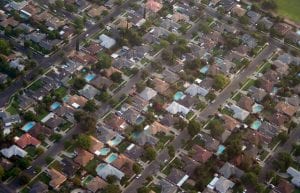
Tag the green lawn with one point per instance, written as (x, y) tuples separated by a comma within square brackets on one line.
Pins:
[(289, 8)]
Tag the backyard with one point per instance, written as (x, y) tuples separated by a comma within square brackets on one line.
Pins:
[(289, 8)]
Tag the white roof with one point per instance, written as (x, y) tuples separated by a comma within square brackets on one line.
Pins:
[(194, 90), (185, 177), (212, 184), (148, 93), (13, 151), (47, 117), (107, 170), (223, 185), (175, 108), (239, 113), (107, 41), (75, 105), (295, 174), (130, 147)]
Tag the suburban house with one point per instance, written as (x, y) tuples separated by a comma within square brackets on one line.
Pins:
[(13, 151), (57, 179)]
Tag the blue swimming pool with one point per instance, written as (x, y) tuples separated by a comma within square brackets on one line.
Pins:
[(178, 96), (100, 167), (274, 90), (220, 150), (89, 77), (116, 141), (256, 125), (55, 106), (28, 126), (66, 98), (204, 69), (257, 108), (111, 158), (139, 120), (136, 135), (104, 151)]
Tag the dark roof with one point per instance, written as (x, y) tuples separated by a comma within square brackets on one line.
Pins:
[(135, 152), (39, 129), (54, 122), (69, 167), (39, 187), (176, 175)]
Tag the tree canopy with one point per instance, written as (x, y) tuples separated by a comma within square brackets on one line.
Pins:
[(194, 127), (84, 141)]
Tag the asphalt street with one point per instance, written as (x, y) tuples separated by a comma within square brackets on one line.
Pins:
[(44, 63), (154, 166)]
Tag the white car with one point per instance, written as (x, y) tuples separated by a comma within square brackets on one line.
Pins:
[(138, 176)]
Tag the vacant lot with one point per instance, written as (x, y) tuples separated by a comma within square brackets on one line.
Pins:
[(289, 8)]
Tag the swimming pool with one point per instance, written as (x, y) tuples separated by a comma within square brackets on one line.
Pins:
[(65, 99), (116, 141), (28, 126), (204, 69), (274, 90), (139, 120), (89, 77), (221, 149), (257, 108), (103, 151), (298, 32), (55, 106), (178, 96), (87, 179), (111, 158), (136, 135), (256, 125)]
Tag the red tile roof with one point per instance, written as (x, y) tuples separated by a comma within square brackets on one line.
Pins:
[(26, 139), (201, 154)]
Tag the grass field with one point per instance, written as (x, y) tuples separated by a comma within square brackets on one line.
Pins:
[(289, 8)]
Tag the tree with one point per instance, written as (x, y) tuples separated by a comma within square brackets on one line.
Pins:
[(79, 24), (112, 188), (216, 128), (2, 172), (24, 179), (283, 161), (194, 127), (111, 179), (164, 43), (105, 61), (84, 141), (88, 123), (90, 106), (244, 20), (180, 124), (4, 47), (168, 56), (59, 3), (220, 81), (150, 153), (136, 168), (23, 163), (269, 5), (104, 96), (250, 178), (116, 77), (283, 137), (143, 189), (78, 83), (171, 151), (78, 115), (29, 116), (171, 38)]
